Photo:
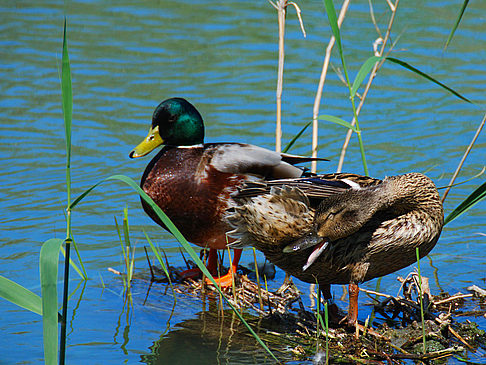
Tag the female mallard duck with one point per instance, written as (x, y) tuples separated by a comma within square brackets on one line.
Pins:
[(192, 181), (363, 227)]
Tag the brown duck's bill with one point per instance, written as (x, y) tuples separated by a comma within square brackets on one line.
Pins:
[(309, 240), (152, 141)]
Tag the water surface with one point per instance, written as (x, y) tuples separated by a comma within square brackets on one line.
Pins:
[(128, 56)]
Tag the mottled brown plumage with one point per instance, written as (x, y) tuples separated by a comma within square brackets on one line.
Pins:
[(368, 229)]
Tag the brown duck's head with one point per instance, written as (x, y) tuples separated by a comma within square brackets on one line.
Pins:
[(337, 216), (175, 122)]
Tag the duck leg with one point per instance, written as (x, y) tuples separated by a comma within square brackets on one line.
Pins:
[(211, 265), (332, 308), (352, 317), (226, 280)]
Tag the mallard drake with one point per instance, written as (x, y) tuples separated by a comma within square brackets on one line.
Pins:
[(192, 181), (339, 228)]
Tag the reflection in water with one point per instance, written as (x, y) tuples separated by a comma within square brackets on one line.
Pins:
[(209, 338)]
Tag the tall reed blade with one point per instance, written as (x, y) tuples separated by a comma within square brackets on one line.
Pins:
[(456, 24), (67, 108), (475, 197), (428, 77), (17, 294), (48, 264)]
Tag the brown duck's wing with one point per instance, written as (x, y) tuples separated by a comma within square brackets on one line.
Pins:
[(240, 158), (315, 188)]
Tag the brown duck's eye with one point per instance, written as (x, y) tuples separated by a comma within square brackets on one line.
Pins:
[(334, 213)]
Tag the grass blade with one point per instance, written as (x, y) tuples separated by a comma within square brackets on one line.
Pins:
[(17, 294), (363, 71), (336, 120), (430, 78), (48, 263), (291, 143), (161, 262), (475, 197), (331, 15), (67, 105), (456, 24)]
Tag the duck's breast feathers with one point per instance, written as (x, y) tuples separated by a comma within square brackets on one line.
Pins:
[(240, 158)]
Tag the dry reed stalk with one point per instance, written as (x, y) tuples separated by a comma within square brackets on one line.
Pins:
[(466, 153), (322, 80), (258, 279), (281, 6), (233, 288), (373, 72)]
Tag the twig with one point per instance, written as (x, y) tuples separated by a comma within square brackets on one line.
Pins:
[(299, 16), (375, 293), (455, 297), (468, 149), (116, 272), (427, 356), (322, 80), (368, 85)]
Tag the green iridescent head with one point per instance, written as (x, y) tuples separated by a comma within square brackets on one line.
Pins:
[(175, 122)]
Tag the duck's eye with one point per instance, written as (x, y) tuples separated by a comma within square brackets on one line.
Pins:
[(333, 214), (172, 119), (151, 138)]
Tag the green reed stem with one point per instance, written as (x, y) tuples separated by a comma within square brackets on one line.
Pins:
[(331, 14)]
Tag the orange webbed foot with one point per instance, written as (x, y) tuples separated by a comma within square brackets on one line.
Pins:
[(225, 281)]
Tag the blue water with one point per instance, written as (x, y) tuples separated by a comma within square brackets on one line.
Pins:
[(128, 56)]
